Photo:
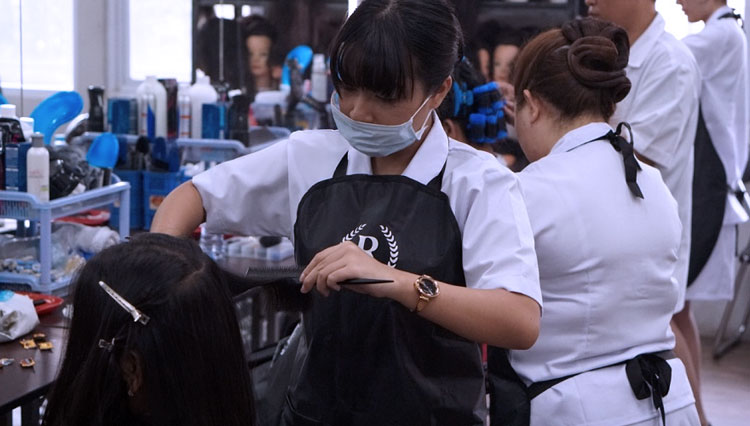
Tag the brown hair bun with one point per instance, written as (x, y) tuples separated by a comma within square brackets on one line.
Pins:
[(598, 55), (579, 68)]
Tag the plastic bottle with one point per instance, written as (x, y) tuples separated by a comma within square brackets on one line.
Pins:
[(184, 111), (151, 86), (96, 109), (37, 168), (200, 93), (8, 116), (27, 126), (319, 78), (212, 244)]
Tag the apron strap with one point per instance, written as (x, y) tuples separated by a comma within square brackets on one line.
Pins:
[(649, 375), (341, 168), (734, 15), (621, 145), (436, 182)]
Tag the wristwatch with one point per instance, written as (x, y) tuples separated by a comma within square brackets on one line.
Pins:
[(427, 289)]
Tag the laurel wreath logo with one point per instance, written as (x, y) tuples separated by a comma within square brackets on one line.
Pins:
[(392, 245), (351, 235)]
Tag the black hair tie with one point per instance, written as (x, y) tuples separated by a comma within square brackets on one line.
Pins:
[(621, 145)]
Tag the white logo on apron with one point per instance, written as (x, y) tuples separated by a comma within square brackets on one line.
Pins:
[(370, 244)]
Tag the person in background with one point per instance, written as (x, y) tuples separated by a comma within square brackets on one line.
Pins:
[(662, 108), (721, 153), (482, 47), (263, 62), (506, 47), (606, 231), (363, 202), (180, 362), (463, 116)]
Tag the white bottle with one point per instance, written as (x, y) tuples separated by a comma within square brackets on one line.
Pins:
[(184, 110), (151, 86), (37, 168), (319, 78), (200, 93), (8, 111), (27, 124)]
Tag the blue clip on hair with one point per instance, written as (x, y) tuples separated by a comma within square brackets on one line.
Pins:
[(461, 97)]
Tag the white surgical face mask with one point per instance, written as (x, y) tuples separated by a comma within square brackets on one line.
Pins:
[(377, 140)]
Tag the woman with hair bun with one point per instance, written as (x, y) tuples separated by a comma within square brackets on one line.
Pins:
[(606, 232)]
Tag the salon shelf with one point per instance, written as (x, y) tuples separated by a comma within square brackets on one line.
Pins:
[(24, 206), (209, 150)]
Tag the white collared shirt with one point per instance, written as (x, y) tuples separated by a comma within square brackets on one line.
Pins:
[(662, 108), (721, 52), (258, 194), (606, 260)]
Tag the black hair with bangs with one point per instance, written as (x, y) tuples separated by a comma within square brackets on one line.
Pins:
[(387, 45)]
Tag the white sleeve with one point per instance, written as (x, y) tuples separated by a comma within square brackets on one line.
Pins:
[(249, 195), (713, 51), (498, 243), (667, 98)]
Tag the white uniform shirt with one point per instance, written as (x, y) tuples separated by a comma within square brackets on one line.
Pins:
[(662, 108), (721, 52), (606, 262), (258, 194)]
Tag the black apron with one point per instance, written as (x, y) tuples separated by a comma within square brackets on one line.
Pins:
[(710, 191), (371, 361), (709, 200), (649, 375)]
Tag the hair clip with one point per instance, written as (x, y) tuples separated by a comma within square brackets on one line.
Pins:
[(137, 315), (107, 345), (461, 97)]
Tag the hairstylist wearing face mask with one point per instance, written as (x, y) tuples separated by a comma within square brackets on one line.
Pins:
[(387, 196)]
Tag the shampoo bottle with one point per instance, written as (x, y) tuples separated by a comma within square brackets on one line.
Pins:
[(157, 106), (200, 93), (37, 168)]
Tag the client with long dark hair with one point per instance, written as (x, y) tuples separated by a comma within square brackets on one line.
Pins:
[(153, 340)]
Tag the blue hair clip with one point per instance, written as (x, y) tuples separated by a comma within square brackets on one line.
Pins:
[(461, 97)]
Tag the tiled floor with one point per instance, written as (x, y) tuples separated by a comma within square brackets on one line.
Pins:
[(726, 386)]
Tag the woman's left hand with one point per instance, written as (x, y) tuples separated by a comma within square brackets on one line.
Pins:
[(509, 95), (346, 261)]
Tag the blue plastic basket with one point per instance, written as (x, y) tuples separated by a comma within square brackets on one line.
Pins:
[(24, 206), (156, 186), (135, 179)]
